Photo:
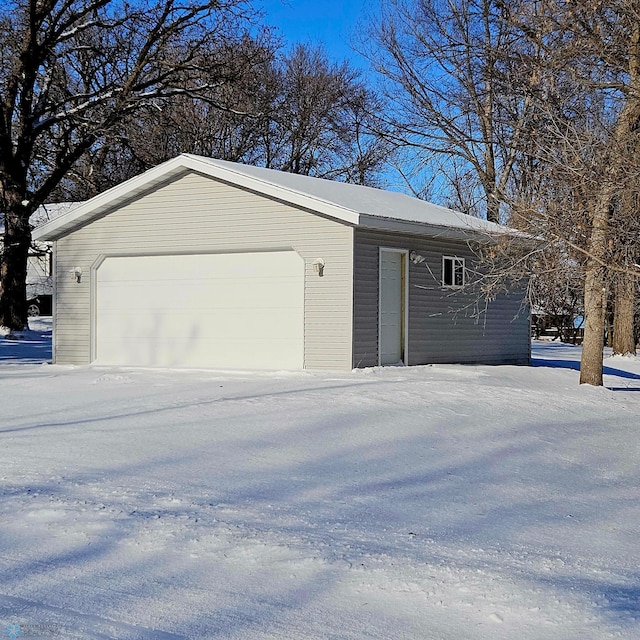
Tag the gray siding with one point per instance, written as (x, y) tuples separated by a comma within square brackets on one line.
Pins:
[(197, 214), (444, 325)]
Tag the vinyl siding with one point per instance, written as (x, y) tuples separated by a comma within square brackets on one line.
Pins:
[(197, 214), (444, 325)]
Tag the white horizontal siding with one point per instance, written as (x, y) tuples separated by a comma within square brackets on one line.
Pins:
[(196, 214)]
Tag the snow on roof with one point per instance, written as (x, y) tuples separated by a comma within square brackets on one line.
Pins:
[(352, 204), (366, 201)]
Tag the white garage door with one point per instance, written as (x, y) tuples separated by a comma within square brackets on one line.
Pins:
[(240, 310)]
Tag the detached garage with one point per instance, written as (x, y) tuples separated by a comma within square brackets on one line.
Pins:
[(205, 263)]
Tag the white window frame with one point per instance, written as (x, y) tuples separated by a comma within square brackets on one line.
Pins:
[(456, 261)]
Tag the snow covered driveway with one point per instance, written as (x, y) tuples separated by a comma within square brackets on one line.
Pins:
[(439, 502)]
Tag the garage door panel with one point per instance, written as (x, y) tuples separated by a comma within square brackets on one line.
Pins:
[(232, 310), (231, 324), (210, 298), (192, 352)]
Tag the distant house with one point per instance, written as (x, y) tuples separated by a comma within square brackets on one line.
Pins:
[(205, 263), (39, 264)]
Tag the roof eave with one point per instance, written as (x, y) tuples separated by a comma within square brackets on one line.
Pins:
[(431, 230)]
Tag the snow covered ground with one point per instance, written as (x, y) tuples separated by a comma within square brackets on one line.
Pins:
[(437, 502)]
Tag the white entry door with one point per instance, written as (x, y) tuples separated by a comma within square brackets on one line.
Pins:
[(235, 310), (392, 306)]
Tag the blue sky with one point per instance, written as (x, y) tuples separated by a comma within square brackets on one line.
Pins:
[(330, 22)]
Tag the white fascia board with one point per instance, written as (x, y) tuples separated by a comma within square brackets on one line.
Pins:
[(431, 230)]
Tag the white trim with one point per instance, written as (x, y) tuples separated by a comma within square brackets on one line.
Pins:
[(453, 273), (405, 296), (352, 301), (93, 308), (54, 298), (107, 200)]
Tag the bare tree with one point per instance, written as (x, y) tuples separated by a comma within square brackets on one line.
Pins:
[(322, 123), (590, 121), (582, 142), (224, 122), (70, 72), (450, 75), (535, 107), (297, 112)]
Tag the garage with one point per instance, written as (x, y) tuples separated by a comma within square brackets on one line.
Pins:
[(205, 263), (231, 310)]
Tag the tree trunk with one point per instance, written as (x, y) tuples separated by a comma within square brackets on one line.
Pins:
[(623, 338), (624, 303), (493, 208), (594, 312), (595, 294), (13, 267), (609, 323)]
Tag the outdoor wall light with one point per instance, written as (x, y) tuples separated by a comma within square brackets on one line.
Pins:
[(415, 257), (318, 266), (77, 273)]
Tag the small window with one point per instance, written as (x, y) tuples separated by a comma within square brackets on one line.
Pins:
[(452, 271)]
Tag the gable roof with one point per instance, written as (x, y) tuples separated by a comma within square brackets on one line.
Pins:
[(348, 203)]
